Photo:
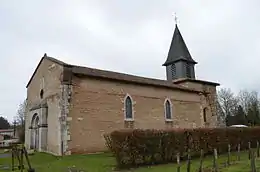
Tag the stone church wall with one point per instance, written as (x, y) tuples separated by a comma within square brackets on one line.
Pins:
[(47, 78), (97, 107)]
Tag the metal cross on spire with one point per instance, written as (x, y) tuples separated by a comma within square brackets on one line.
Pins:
[(175, 18)]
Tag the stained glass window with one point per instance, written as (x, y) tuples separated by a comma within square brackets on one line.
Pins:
[(128, 108), (205, 114), (168, 111)]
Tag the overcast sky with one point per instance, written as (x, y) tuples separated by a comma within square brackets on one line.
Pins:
[(131, 36)]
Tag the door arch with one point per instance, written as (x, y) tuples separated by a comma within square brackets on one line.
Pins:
[(35, 131)]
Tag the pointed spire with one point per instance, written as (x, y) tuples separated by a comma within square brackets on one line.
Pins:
[(178, 49)]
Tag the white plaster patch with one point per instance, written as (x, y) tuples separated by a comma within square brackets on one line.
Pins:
[(69, 119), (68, 137), (80, 119), (52, 66), (68, 153)]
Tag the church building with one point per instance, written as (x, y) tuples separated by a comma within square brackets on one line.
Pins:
[(70, 108)]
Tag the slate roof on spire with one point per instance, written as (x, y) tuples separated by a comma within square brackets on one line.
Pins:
[(178, 49)]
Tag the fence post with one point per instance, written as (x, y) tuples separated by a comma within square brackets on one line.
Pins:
[(12, 158), (249, 149), (215, 160), (189, 161), (257, 149), (201, 160), (238, 152), (252, 154), (229, 148), (22, 165), (178, 162)]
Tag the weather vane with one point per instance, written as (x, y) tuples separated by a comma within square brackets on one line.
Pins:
[(175, 18)]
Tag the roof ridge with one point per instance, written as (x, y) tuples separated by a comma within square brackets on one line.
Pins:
[(57, 60), (95, 72), (102, 70)]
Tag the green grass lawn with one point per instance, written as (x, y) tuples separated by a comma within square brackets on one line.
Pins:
[(242, 166), (104, 162)]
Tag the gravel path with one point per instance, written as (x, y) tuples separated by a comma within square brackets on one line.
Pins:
[(5, 155)]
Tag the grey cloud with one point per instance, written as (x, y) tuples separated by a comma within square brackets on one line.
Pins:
[(128, 36)]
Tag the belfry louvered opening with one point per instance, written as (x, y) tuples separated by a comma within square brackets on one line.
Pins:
[(173, 71), (188, 70)]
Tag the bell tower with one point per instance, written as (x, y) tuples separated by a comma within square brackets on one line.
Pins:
[(179, 63)]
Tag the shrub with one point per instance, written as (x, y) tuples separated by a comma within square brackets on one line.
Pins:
[(108, 141), (134, 147)]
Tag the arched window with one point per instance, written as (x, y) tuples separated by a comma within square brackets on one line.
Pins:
[(128, 108), (35, 118), (205, 114), (168, 110)]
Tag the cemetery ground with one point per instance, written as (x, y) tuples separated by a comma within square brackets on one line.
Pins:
[(105, 162)]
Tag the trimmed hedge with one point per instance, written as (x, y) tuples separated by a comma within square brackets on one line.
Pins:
[(146, 147)]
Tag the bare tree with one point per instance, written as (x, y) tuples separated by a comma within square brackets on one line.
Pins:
[(227, 104), (20, 120), (250, 103), (20, 116), (240, 109), (228, 101), (221, 118), (245, 98)]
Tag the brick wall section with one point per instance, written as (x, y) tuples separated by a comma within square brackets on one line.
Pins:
[(209, 102), (97, 108), (52, 93)]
